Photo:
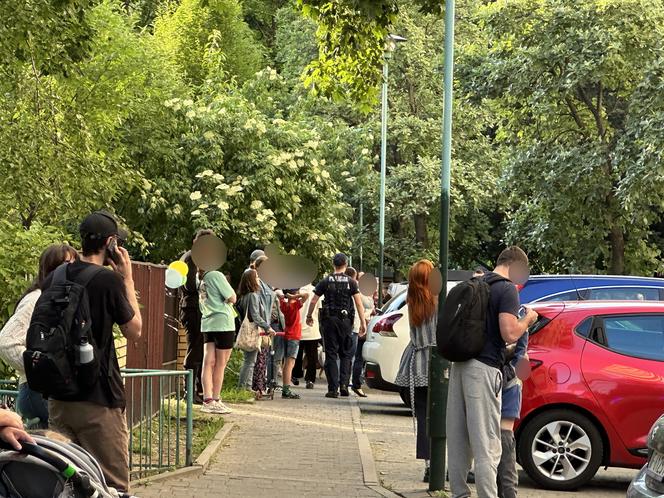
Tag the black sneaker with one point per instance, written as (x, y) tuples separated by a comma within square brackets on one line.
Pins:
[(343, 390), (296, 382), (332, 394), (310, 385)]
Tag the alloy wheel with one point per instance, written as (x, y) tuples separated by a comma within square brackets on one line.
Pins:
[(561, 450)]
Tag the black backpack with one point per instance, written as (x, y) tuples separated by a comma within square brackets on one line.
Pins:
[(461, 332), (60, 321)]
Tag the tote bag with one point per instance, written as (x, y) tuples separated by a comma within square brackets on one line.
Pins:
[(249, 335)]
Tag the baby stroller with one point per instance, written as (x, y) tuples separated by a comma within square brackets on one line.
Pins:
[(51, 469), (265, 381)]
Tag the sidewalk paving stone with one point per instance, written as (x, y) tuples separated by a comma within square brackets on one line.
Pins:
[(281, 448)]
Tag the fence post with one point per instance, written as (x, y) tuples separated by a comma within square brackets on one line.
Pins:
[(190, 417)]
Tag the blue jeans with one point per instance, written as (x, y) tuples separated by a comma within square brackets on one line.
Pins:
[(247, 370), (32, 407), (358, 361)]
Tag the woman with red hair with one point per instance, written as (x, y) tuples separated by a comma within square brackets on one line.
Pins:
[(414, 368)]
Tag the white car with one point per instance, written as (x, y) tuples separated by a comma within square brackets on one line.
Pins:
[(388, 334)]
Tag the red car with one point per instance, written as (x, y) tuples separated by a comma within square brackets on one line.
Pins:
[(597, 386)]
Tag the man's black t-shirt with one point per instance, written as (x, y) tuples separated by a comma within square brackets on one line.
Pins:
[(503, 298), (108, 306)]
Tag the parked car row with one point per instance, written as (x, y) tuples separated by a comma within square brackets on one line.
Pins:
[(597, 382)]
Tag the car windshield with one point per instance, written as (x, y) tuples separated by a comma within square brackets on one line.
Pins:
[(399, 301), (396, 303)]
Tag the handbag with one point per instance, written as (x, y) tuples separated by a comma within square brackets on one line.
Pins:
[(249, 335)]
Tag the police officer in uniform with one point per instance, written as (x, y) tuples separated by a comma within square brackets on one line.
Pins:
[(342, 298)]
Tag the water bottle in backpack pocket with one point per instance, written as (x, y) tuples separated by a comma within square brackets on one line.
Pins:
[(61, 358), (462, 324)]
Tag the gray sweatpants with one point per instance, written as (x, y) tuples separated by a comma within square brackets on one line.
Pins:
[(473, 427), (508, 477)]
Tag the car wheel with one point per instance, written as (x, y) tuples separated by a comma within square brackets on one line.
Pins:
[(404, 392), (561, 450)]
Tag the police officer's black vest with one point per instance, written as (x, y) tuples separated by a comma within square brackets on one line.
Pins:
[(338, 297)]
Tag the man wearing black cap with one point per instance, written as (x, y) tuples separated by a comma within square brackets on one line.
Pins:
[(342, 299), (96, 420)]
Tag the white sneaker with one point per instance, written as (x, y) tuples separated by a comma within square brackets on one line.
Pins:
[(211, 408), (222, 408)]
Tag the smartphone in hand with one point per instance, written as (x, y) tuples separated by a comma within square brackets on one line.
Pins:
[(112, 253)]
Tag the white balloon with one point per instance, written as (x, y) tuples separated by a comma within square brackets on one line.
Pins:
[(173, 279)]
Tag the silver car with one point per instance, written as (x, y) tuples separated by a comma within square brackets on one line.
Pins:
[(649, 483)]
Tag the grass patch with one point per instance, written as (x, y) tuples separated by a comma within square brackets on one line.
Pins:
[(146, 451), (235, 395), (204, 432)]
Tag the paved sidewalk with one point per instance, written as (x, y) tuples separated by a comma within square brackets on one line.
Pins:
[(281, 448), (389, 426)]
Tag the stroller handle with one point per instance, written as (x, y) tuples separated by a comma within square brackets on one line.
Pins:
[(68, 471)]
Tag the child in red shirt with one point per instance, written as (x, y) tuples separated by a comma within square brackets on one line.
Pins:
[(290, 302)]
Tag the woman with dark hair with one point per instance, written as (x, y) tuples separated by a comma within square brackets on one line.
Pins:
[(249, 304), (30, 404), (414, 368)]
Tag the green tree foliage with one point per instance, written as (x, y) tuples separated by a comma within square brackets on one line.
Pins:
[(19, 260), (414, 151), (263, 179), (568, 80), (193, 26), (351, 39), (49, 35)]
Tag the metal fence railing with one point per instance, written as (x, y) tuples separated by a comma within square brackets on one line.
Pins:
[(159, 416)]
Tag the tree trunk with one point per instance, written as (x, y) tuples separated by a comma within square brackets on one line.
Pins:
[(421, 233), (617, 240)]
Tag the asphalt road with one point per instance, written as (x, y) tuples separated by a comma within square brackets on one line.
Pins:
[(389, 427)]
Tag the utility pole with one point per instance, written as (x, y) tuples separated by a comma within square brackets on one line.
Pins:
[(390, 46), (383, 172), (438, 366), (361, 236)]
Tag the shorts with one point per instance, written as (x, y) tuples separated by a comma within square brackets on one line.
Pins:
[(511, 402), (222, 340), (291, 347)]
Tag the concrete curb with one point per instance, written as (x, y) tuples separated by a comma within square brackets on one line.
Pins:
[(199, 467), (366, 454), (211, 450)]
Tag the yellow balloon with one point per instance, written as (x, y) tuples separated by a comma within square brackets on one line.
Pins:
[(180, 266)]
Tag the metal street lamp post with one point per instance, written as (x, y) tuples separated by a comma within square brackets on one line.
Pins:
[(438, 366), (390, 46)]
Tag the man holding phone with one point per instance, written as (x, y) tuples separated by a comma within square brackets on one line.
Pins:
[(96, 419)]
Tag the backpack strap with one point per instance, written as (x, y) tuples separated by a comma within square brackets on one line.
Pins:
[(88, 274), (60, 274), (495, 278)]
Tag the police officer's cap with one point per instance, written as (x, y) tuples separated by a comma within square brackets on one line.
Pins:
[(340, 260)]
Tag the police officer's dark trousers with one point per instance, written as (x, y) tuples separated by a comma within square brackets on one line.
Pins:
[(338, 337)]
